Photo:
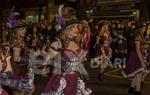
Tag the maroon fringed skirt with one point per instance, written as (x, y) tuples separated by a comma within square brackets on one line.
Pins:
[(133, 65)]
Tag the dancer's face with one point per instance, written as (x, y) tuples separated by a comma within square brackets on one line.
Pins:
[(75, 30), (80, 27), (85, 24), (21, 31)]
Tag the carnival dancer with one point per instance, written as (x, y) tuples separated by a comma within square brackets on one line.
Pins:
[(21, 65), (103, 41), (102, 35), (23, 82), (68, 81), (135, 64), (6, 75), (97, 46), (103, 59), (16, 55), (5, 64)]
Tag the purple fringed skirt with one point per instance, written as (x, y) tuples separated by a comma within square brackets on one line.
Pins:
[(54, 82), (133, 66)]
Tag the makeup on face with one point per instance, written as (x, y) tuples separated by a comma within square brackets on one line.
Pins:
[(22, 31), (75, 31)]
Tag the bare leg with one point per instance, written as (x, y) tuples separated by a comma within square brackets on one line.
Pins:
[(102, 69), (144, 76), (133, 83), (138, 82), (100, 73)]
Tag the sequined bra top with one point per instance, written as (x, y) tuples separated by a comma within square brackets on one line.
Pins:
[(69, 54)]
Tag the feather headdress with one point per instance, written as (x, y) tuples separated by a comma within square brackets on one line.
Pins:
[(13, 20), (60, 19), (65, 16)]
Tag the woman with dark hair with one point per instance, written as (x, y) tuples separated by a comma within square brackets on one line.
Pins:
[(20, 61), (7, 79), (93, 41), (103, 50), (5, 65), (135, 64), (102, 34)]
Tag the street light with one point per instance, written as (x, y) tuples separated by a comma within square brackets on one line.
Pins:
[(134, 13)]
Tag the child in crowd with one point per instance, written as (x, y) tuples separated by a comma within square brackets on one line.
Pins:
[(121, 49)]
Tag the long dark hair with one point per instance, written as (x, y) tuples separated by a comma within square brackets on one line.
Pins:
[(139, 31)]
